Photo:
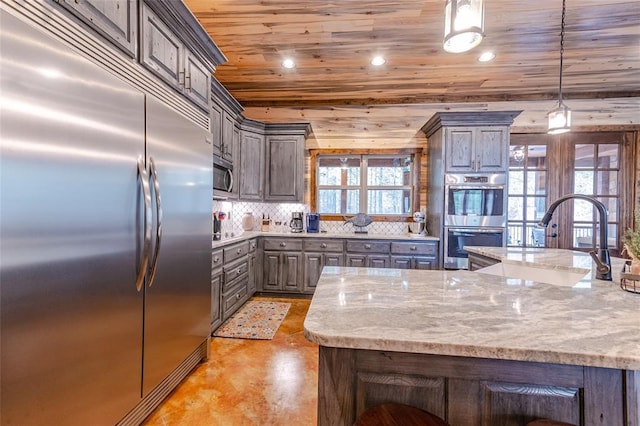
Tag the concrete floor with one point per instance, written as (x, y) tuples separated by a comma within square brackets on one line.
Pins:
[(250, 382)]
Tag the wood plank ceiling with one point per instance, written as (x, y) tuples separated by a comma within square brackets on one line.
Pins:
[(351, 103)]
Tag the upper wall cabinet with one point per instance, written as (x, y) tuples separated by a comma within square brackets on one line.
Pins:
[(163, 53), (483, 149), (284, 160), (116, 20)]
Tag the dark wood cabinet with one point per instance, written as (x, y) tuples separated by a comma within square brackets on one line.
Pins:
[(481, 149), (284, 174), (283, 265), (251, 170), (473, 391), (319, 253), (116, 20), (216, 289)]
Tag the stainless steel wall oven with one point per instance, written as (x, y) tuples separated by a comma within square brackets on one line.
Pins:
[(455, 256), (475, 200)]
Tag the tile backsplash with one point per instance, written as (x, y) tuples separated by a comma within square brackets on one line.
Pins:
[(281, 212)]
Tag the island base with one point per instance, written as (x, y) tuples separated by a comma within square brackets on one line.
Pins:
[(473, 391)]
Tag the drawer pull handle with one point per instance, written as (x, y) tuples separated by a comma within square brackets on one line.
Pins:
[(239, 271), (239, 251), (238, 296), (283, 244), (367, 246), (413, 248), (216, 259), (323, 245)]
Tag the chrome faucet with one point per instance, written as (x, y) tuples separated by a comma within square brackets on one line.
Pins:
[(601, 255)]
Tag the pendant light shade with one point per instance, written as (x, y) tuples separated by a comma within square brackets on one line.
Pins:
[(464, 25), (560, 116), (559, 119)]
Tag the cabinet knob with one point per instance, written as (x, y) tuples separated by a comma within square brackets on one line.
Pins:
[(413, 248), (367, 246), (239, 271), (323, 245), (216, 259), (239, 251), (283, 244), (238, 296)]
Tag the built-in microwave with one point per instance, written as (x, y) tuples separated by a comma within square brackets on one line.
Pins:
[(475, 200), (222, 178)]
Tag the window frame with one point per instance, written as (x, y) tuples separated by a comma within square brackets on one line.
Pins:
[(415, 153)]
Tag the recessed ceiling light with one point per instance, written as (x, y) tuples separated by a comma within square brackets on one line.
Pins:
[(377, 61), (288, 63), (486, 56)]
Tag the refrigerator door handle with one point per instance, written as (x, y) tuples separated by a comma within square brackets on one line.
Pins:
[(156, 190), (146, 224)]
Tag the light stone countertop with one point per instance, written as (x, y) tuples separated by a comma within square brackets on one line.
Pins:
[(346, 235), (471, 314)]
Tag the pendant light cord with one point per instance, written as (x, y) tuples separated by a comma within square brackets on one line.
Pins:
[(561, 51)]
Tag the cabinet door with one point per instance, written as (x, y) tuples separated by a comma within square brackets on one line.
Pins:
[(197, 81), (378, 261), (270, 280), (161, 51), (313, 263), (253, 276), (216, 285), (216, 129), (333, 259), (116, 19), (460, 156), (284, 168), (251, 166), (425, 263), (492, 149), (401, 262), (357, 260), (228, 146), (292, 271)]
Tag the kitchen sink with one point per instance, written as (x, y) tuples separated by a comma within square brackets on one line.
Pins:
[(559, 277)]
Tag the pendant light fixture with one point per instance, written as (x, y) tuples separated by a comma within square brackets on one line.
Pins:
[(560, 116), (463, 25)]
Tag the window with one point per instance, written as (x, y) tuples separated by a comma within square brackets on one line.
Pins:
[(543, 168), (374, 184)]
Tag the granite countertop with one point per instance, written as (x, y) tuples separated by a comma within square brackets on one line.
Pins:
[(253, 234), (471, 314)]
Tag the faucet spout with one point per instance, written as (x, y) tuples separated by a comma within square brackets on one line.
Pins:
[(601, 255)]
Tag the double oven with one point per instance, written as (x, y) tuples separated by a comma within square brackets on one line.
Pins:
[(475, 214)]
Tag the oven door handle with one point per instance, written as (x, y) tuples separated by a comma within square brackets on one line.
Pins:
[(476, 231), (475, 186)]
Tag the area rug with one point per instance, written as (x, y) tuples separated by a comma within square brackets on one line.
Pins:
[(254, 320)]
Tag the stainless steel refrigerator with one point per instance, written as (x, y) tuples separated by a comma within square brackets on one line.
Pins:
[(105, 236)]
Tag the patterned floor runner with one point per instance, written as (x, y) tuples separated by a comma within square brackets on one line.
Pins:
[(254, 320)]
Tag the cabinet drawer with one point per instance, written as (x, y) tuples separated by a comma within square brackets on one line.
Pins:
[(253, 245), (216, 259), (323, 245), (368, 246), (234, 271), (234, 299), (414, 248), (289, 244), (235, 251)]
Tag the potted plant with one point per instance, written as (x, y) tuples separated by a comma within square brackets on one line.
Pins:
[(631, 242)]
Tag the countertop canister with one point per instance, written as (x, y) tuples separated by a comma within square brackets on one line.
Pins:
[(248, 221)]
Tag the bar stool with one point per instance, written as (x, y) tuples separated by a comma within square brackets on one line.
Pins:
[(393, 414), (546, 422)]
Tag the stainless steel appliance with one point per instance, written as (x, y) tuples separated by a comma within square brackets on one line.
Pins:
[(455, 256), (105, 231), (475, 199), (297, 222), (222, 178)]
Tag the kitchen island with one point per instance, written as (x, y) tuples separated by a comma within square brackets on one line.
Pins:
[(475, 348)]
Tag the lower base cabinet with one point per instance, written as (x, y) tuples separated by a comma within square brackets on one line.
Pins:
[(216, 289), (473, 391)]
